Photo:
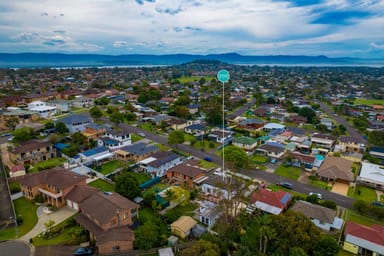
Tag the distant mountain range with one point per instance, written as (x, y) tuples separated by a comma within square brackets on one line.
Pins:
[(34, 60)]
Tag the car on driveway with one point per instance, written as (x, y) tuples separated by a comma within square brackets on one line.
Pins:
[(318, 195), (83, 251), (285, 184), (141, 134)]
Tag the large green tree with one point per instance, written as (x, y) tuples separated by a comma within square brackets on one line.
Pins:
[(95, 113), (61, 128), (202, 248), (376, 138), (23, 134), (127, 185), (176, 137), (146, 236), (236, 157)]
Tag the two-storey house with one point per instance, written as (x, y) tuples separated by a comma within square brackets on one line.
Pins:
[(185, 174), (157, 164), (115, 139), (76, 122), (31, 152)]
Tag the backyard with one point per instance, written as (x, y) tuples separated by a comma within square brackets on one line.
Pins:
[(288, 172), (102, 185), (110, 166), (47, 164), (26, 212), (141, 177), (368, 102), (357, 218), (259, 159)]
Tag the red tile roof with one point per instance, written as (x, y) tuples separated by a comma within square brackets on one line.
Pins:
[(270, 197), (374, 234)]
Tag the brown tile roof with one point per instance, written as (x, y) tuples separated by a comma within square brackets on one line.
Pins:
[(107, 204), (186, 170), (88, 224), (81, 192), (57, 177), (30, 145), (324, 136), (336, 168), (374, 234), (314, 211), (348, 139), (271, 198), (302, 157), (122, 233), (177, 121)]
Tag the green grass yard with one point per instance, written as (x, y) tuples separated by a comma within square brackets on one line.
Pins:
[(207, 165), (188, 79), (111, 166), (288, 172), (135, 137), (141, 177), (366, 194), (50, 163), (26, 210), (357, 218), (259, 159), (102, 185), (368, 102)]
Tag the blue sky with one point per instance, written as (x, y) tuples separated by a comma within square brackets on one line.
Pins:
[(334, 28)]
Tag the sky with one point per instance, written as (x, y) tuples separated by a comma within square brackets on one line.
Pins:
[(335, 28)]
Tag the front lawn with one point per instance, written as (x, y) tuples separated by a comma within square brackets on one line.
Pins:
[(205, 145), (289, 172), (162, 147), (67, 232), (259, 159), (316, 182), (48, 164), (363, 193), (26, 211), (102, 185), (110, 166), (147, 126), (275, 187), (368, 102), (207, 165), (135, 137)]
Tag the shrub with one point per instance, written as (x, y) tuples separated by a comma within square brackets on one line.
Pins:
[(39, 199), (14, 187)]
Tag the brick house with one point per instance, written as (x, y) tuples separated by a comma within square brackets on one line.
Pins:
[(349, 144), (31, 152), (271, 202), (107, 216), (53, 184), (185, 174)]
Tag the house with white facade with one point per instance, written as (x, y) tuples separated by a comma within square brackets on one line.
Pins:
[(115, 139), (272, 150), (93, 155), (371, 175), (82, 102), (246, 143), (221, 136), (76, 122), (157, 164), (208, 213), (42, 109)]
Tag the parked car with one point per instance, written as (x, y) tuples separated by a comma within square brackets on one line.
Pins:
[(141, 134), (208, 159), (285, 184), (83, 251), (377, 203), (319, 196), (6, 135)]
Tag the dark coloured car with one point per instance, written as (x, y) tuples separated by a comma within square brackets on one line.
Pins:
[(83, 251), (377, 203), (208, 159), (286, 185)]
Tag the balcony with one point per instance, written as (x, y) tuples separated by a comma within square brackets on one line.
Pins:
[(51, 193)]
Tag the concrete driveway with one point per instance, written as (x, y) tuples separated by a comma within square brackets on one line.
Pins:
[(340, 188), (14, 247)]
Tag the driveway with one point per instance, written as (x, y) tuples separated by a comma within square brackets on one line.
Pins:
[(340, 188), (14, 247), (57, 216)]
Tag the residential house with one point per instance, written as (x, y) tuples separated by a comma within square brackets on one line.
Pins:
[(157, 164), (272, 150), (377, 152), (250, 124), (42, 109), (302, 160), (274, 127), (323, 140), (31, 152), (196, 129), (82, 102), (94, 131), (109, 224), (271, 202), (371, 175), (22, 116), (53, 184), (62, 106), (76, 122), (177, 124), (336, 169), (182, 226), (364, 240), (262, 111), (157, 119), (296, 119), (90, 156), (323, 217), (244, 142), (216, 188), (135, 152), (327, 122), (208, 213), (78, 194), (115, 139), (193, 108), (12, 100), (221, 136), (349, 144), (185, 174)]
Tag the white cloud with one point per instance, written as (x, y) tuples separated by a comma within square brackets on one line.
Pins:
[(378, 46)]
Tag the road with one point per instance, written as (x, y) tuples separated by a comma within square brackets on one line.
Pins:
[(350, 129), (242, 109)]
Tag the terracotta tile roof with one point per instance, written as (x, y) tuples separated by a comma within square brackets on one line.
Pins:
[(30, 146), (88, 224), (315, 211), (324, 136), (348, 139), (374, 234), (122, 233), (336, 168), (302, 157), (107, 204), (271, 198), (57, 177), (186, 170)]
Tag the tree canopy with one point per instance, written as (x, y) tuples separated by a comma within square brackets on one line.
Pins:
[(23, 134), (236, 157), (127, 185), (176, 137)]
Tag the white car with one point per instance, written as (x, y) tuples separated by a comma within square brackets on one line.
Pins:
[(141, 134), (317, 194)]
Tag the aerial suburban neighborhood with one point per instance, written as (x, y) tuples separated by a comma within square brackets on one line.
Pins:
[(154, 161)]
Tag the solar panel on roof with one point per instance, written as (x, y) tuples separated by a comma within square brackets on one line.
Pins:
[(285, 198)]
